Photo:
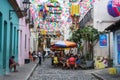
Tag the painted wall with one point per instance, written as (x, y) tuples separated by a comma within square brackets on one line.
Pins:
[(116, 56), (101, 20), (24, 38), (8, 36), (24, 41), (33, 41)]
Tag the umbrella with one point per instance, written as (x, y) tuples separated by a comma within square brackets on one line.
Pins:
[(56, 48), (59, 49), (64, 44)]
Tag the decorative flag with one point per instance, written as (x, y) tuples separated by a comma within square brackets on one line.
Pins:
[(114, 8)]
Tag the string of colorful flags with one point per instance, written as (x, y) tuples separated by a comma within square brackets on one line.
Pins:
[(41, 10)]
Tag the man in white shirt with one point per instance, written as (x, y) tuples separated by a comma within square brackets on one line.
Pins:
[(40, 57)]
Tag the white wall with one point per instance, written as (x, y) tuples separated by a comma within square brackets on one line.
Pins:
[(101, 17), (33, 41), (101, 20)]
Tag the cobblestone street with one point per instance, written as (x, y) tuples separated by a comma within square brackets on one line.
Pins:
[(48, 72)]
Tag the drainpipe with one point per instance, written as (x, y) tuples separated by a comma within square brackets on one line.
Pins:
[(109, 60)]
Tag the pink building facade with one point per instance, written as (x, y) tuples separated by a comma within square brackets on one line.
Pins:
[(24, 41), (24, 38)]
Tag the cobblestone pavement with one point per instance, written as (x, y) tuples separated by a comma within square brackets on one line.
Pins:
[(48, 72)]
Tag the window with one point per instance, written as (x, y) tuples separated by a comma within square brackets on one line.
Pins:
[(25, 41)]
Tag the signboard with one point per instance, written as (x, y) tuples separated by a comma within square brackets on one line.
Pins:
[(103, 40), (118, 48)]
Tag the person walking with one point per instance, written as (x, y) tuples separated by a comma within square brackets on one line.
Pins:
[(40, 57), (43, 55), (34, 55)]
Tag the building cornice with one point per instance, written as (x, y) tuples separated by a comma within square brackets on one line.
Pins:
[(15, 6)]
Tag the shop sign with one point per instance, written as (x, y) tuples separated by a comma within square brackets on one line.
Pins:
[(103, 40)]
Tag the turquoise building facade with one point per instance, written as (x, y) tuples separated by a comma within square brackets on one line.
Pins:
[(9, 21)]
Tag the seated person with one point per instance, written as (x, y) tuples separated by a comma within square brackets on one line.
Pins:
[(78, 61), (55, 60), (12, 64), (30, 56), (34, 55), (63, 61), (67, 63), (72, 61)]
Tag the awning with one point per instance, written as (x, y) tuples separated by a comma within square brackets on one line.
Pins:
[(113, 27)]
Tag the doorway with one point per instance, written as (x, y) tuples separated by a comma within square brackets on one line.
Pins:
[(11, 35), (5, 45)]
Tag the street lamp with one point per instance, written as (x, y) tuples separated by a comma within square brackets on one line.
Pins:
[(26, 5)]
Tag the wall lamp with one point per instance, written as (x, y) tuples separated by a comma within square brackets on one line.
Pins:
[(26, 5)]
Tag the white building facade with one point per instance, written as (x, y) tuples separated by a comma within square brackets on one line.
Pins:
[(101, 20)]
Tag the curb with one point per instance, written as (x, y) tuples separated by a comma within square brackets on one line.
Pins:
[(31, 72), (98, 76)]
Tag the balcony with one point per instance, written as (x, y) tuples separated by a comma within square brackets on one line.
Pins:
[(87, 18), (16, 7), (19, 7)]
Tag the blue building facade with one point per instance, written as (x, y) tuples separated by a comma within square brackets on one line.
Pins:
[(115, 28), (9, 21), (116, 41)]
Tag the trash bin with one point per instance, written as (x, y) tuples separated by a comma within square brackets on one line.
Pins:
[(27, 61)]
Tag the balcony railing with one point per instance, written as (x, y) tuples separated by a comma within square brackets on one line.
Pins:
[(88, 17)]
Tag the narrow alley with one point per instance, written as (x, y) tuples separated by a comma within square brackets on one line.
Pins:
[(80, 34)]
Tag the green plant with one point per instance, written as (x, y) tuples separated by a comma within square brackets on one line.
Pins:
[(87, 34), (88, 57)]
